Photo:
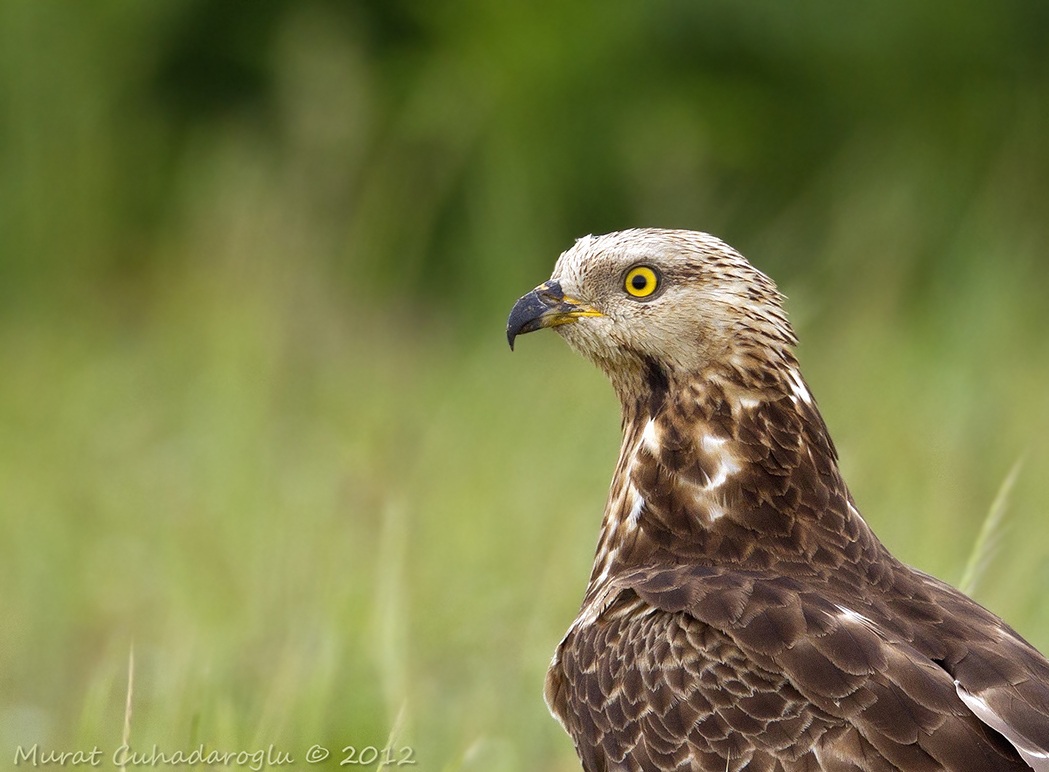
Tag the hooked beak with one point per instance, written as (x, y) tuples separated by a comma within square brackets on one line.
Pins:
[(545, 306)]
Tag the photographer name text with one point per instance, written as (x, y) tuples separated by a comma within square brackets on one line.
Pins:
[(255, 759)]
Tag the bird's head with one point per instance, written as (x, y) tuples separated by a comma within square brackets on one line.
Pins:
[(667, 304)]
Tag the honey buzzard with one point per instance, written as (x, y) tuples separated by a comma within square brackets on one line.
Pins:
[(741, 615)]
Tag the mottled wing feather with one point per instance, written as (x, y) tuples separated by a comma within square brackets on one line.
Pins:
[(644, 690), (1034, 754), (696, 668), (998, 675), (847, 657)]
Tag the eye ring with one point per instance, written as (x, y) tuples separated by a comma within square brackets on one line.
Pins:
[(641, 281)]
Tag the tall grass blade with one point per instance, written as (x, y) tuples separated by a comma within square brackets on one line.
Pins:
[(393, 741), (990, 532), (391, 610), (125, 735)]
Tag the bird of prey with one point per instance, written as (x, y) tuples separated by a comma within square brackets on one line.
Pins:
[(741, 615)]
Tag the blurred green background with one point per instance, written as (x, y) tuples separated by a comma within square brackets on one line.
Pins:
[(257, 414)]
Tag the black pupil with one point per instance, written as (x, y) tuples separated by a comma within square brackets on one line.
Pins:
[(639, 282)]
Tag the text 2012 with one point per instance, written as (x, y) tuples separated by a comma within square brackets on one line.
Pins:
[(369, 755)]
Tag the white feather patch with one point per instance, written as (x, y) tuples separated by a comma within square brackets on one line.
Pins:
[(749, 403), (798, 386), (715, 511), (848, 615), (1037, 758), (650, 437), (711, 443), (856, 513), (634, 518), (604, 574), (726, 469)]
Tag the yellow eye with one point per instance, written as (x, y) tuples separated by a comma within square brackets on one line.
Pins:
[(641, 281)]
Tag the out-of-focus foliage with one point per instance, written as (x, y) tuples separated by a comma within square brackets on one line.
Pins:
[(256, 412), (426, 148)]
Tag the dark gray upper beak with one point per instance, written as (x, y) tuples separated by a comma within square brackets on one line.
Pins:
[(535, 310)]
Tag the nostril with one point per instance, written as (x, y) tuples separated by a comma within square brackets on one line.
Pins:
[(551, 292)]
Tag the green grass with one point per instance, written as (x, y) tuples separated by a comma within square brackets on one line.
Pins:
[(318, 525), (304, 532)]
